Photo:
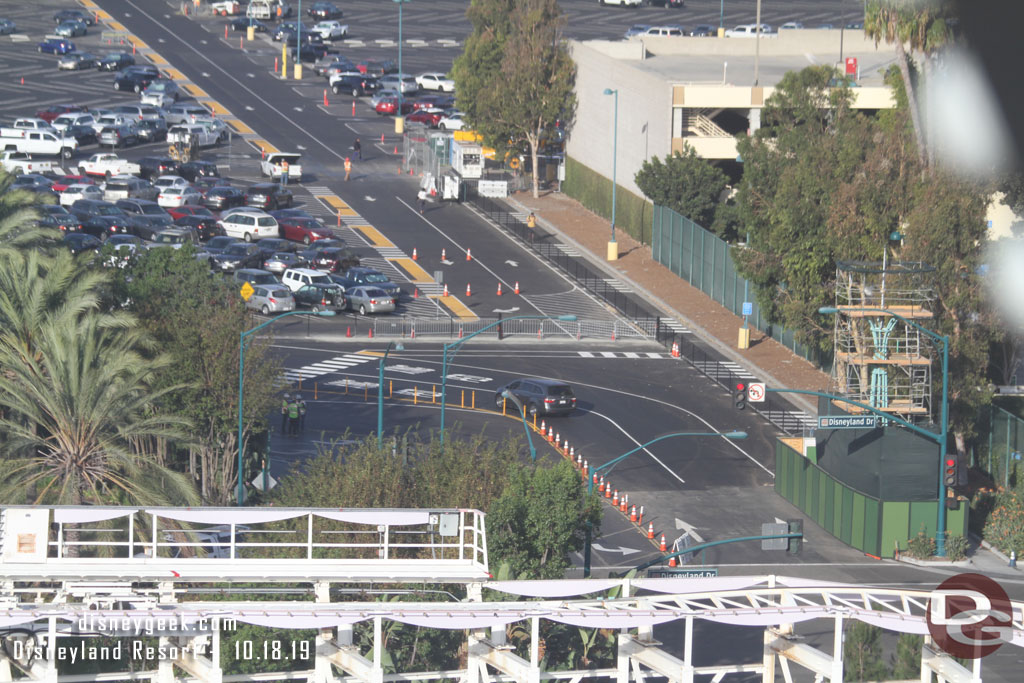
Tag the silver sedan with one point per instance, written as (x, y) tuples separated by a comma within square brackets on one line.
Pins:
[(369, 300)]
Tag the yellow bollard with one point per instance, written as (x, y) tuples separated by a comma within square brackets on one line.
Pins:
[(300, 384), (315, 387), (535, 421), (462, 399), (391, 388), (472, 397), (366, 392), (415, 395), (504, 406), (346, 386), (433, 393)]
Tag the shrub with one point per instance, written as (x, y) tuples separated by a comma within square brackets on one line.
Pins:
[(922, 546), (1005, 525), (956, 547), (594, 191)]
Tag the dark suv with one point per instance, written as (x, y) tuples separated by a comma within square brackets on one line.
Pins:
[(268, 196), (355, 85), (539, 396), (373, 278), (100, 218), (154, 167)]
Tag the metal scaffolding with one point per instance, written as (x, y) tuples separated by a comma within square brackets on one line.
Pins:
[(881, 360)]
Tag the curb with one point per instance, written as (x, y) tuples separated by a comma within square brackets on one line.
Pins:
[(651, 299)]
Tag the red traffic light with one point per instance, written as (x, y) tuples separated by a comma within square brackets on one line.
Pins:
[(950, 462), (740, 386)]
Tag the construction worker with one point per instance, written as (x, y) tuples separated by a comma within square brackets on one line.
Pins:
[(357, 147), (302, 411), (284, 172), (421, 197), (348, 168), (284, 413), (293, 418)]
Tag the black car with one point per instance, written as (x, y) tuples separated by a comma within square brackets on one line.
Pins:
[(150, 130), (334, 259), (154, 167), (148, 218), (33, 182), (324, 10), (101, 218), (147, 69), (238, 255), (372, 278), (136, 81), (86, 135), (289, 28), (115, 61), (309, 52), (78, 242), (56, 216), (321, 297), (275, 245), (198, 169), (539, 396), (295, 213), (223, 197), (356, 85), (73, 14), (218, 244), (243, 23), (269, 196), (205, 226)]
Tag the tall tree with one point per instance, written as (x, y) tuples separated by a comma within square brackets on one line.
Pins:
[(685, 183), (515, 78), (19, 212)]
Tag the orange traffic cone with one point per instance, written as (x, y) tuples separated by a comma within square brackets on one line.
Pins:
[(624, 503), (370, 335), (414, 256), (469, 255), (600, 485), (608, 490), (663, 547), (444, 256), (558, 439), (551, 434), (325, 98), (615, 499), (543, 427), (650, 530), (586, 469), (672, 561), (469, 292), (499, 289), (445, 290), (640, 516), (675, 349), (632, 514), (462, 332), (382, 138), (348, 331), (516, 290), (578, 459), (396, 152), (415, 292)]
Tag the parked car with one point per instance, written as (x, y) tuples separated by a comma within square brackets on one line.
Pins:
[(331, 258), (434, 101), (49, 114), (355, 84), (151, 131), (238, 255), (269, 196), (255, 276), (305, 230), (7, 27), (433, 80), (115, 61), (704, 30), (161, 92), (79, 242), (223, 197), (372, 278), (378, 68), (178, 196), (226, 7), (123, 135), (206, 227), (191, 170), (388, 106), (71, 29), (539, 396), (57, 216), (175, 238), (150, 167), (75, 192), (324, 10), (32, 182), (101, 218), (308, 52), (453, 121), (177, 212), (428, 117), (149, 217), (64, 182), (330, 30), (71, 118), (56, 46), (74, 14), (297, 278), (280, 261), (136, 81), (321, 297), (217, 244), (85, 135), (184, 113), (269, 299), (243, 24), (369, 300), (331, 58), (128, 187), (403, 82), (249, 224)]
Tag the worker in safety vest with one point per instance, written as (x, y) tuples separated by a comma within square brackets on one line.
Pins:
[(284, 172), (348, 168), (284, 413)]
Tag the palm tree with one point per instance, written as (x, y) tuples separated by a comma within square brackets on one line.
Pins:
[(18, 213)]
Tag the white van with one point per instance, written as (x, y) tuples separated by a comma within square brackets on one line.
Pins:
[(78, 118), (250, 224), (297, 278), (664, 31), (748, 31)]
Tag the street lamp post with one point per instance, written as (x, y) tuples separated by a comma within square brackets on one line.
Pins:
[(594, 472), (941, 438), (399, 127), (613, 246), (241, 386), (455, 344), (380, 392), (508, 395)]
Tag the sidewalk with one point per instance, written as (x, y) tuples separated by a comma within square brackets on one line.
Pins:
[(711, 322)]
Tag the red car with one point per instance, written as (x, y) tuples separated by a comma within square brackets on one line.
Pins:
[(63, 183), (428, 116), (389, 105), (189, 210), (305, 230), (55, 110)]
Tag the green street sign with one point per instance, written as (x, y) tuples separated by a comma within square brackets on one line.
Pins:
[(676, 572), (847, 422)]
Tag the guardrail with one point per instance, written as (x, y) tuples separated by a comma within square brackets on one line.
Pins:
[(453, 328)]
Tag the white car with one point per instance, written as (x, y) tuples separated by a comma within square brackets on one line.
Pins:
[(791, 25), (452, 122), (249, 224), (226, 7), (170, 181), (208, 132), (330, 30), (622, 3), (435, 81), (179, 196), (160, 93), (747, 31), (78, 191)]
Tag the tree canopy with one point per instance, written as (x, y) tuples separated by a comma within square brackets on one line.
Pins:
[(685, 183)]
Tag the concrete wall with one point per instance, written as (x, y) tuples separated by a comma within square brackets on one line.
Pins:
[(785, 43), (645, 115)]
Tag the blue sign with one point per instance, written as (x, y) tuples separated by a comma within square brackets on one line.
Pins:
[(748, 308)]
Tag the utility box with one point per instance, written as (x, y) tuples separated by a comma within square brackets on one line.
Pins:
[(25, 533), (467, 158)]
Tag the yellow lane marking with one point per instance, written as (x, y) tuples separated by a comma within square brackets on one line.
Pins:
[(175, 75), (375, 354), (116, 25), (90, 4), (139, 45), (217, 107), (240, 127), (458, 308), (262, 144), (338, 204), (157, 59), (413, 269), (195, 90), (375, 236)]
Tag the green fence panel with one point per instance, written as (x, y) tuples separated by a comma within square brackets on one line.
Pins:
[(823, 499), (846, 531), (829, 505), (872, 521), (922, 515), (857, 521), (895, 522)]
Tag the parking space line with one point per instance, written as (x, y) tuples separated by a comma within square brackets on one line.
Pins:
[(217, 108), (194, 90), (240, 127), (265, 146), (412, 269), (458, 308), (371, 233)]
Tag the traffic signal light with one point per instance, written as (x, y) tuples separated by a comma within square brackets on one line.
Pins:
[(740, 397), (949, 471), (796, 526)]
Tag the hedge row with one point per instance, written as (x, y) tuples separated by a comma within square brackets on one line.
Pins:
[(594, 191)]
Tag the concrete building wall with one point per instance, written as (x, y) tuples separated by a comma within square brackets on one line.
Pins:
[(645, 115)]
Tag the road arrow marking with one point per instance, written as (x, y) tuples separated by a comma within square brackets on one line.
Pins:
[(248, 108), (620, 549), (203, 42), (447, 262), (251, 75), (505, 310), (690, 530), (297, 108), (205, 75), (369, 198), (514, 264), (300, 146)]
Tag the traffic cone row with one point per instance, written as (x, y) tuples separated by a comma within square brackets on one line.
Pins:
[(675, 349)]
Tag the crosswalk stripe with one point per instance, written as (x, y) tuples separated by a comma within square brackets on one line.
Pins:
[(586, 354), (630, 354), (654, 354), (608, 354)]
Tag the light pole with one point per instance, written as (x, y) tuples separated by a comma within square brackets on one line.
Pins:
[(241, 386), (298, 43), (399, 119), (941, 438), (380, 392), (508, 395), (455, 344), (613, 247), (614, 461)]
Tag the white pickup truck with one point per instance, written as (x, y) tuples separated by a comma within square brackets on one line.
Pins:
[(208, 133), (272, 166), (44, 142), (24, 163), (107, 165), (23, 126)]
